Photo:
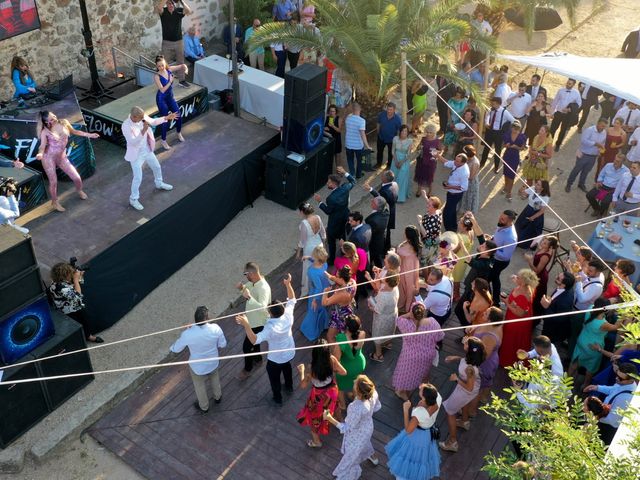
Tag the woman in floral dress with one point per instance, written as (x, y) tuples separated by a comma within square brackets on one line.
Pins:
[(418, 351)]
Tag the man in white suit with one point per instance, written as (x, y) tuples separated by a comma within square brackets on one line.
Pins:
[(140, 146)]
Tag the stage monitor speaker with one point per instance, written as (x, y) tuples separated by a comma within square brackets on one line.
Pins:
[(25, 329), (20, 290), (69, 337), (305, 81), (16, 253), (287, 182), (21, 404), (303, 137), (306, 110)]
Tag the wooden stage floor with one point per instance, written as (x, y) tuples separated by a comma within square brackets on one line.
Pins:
[(157, 431)]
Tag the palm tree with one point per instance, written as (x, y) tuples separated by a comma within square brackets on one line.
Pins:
[(365, 38)]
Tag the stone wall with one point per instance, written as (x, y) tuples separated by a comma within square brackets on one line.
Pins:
[(130, 25)]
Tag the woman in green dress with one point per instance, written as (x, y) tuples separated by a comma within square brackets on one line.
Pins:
[(350, 357), (591, 339), (419, 103)]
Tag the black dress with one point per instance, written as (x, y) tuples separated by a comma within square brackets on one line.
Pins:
[(337, 136)]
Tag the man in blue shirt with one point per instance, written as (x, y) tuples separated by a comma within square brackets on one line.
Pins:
[(282, 10), (505, 239), (601, 194), (256, 56), (193, 50), (389, 123)]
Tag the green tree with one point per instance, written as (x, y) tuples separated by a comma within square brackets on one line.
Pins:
[(559, 441), (365, 38), (247, 10)]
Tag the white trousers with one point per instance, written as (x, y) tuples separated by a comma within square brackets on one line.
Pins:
[(150, 159)]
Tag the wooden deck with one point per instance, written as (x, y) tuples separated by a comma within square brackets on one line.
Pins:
[(157, 431)]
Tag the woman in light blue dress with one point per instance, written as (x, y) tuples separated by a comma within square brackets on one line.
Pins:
[(317, 318), (401, 150)]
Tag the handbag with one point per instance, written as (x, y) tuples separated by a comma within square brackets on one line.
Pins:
[(435, 433)]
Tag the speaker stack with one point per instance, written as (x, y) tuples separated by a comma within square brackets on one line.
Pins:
[(304, 105), (29, 330), (290, 182)]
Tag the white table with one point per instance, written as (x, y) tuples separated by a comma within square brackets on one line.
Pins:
[(261, 93)]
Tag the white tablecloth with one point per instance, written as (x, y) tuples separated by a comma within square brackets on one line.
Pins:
[(261, 93)]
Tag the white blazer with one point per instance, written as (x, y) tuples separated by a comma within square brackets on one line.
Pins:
[(135, 139)]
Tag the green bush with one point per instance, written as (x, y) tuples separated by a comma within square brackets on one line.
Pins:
[(247, 10)]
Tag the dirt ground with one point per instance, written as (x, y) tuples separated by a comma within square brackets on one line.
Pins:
[(596, 34)]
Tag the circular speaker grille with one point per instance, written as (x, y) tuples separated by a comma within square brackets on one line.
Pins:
[(25, 329)]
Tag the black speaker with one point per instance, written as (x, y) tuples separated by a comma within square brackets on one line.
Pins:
[(290, 183), (21, 404), (19, 291), (305, 81), (26, 328), (303, 137), (69, 337), (304, 110), (16, 253)]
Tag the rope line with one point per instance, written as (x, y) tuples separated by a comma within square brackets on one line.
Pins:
[(223, 317), (308, 347)]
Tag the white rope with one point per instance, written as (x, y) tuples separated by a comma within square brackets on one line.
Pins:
[(519, 177), (308, 347), (223, 317)]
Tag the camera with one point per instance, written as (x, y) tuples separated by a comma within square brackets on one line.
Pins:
[(73, 261), (8, 186)]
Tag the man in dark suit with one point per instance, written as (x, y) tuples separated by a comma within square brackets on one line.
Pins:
[(357, 232), (558, 328), (590, 97), (631, 44), (535, 88), (446, 90), (389, 191), (336, 206), (378, 221)]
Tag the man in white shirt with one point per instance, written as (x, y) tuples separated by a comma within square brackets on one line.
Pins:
[(630, 116), (203, 340), (589, 285), (455, 185), (627, 194), (633, 155), (140, 146), (277, 331), (566, 105), (503, 90), (355, 140), (544, 349), (481, 24), (591, 143), (495, 121), (518, 104), (618, 397), (438, 300), (9, 207), (257, 292), (600, 195)]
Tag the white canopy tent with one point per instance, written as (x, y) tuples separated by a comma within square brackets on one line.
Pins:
[(618, 76)]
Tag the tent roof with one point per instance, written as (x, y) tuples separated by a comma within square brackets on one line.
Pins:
[(618, 76)]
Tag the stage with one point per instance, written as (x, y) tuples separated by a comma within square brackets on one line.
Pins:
[(216, 173), (107, 118)]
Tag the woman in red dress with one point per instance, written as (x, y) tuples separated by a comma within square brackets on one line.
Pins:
[(517, 335), (324, 391), (616, 138), (540, 263), (624, 269)]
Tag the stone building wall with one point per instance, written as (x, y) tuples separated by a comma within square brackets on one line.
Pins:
[(130, 25)]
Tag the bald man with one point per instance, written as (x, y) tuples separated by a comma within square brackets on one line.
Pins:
[(140, 146)]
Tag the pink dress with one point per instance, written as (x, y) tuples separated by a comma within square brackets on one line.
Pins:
[(408, 262), (416, 356), (55, 155), (460, 396)]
